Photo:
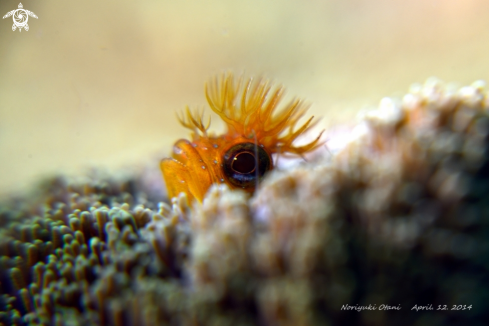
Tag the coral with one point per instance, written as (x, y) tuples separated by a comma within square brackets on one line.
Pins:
[(398, 218)]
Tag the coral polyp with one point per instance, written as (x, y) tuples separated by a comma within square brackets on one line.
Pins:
[(396, 219)]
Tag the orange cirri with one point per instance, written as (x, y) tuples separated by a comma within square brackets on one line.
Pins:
[(241, 156)]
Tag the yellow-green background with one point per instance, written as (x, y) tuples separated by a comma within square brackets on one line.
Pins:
[(96, 83)]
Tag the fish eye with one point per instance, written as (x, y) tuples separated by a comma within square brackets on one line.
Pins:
[(244, 163)]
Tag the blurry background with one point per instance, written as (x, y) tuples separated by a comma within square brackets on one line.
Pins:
[(97, 83)]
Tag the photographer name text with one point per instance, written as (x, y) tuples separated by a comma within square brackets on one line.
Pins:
[(430, 307)]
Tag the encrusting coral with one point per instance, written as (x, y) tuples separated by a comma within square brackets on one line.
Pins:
[(398, 219)]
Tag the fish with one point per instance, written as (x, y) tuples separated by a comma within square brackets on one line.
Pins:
[(239, 158)]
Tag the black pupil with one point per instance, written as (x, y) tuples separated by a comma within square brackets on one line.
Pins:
[(244, 163)]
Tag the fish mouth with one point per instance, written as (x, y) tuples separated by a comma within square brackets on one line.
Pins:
[(186, 171), (185, 153)]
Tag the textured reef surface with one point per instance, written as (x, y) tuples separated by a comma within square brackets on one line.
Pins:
[(398, 218)]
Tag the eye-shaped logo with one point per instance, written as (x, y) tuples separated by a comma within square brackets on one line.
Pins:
[(20, 16)]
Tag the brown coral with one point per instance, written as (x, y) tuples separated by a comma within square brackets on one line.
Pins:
[(399, 217)]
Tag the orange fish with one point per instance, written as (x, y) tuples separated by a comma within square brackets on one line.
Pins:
[(241, 156)]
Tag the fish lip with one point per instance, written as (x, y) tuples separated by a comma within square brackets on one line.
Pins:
[(184, 151)]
